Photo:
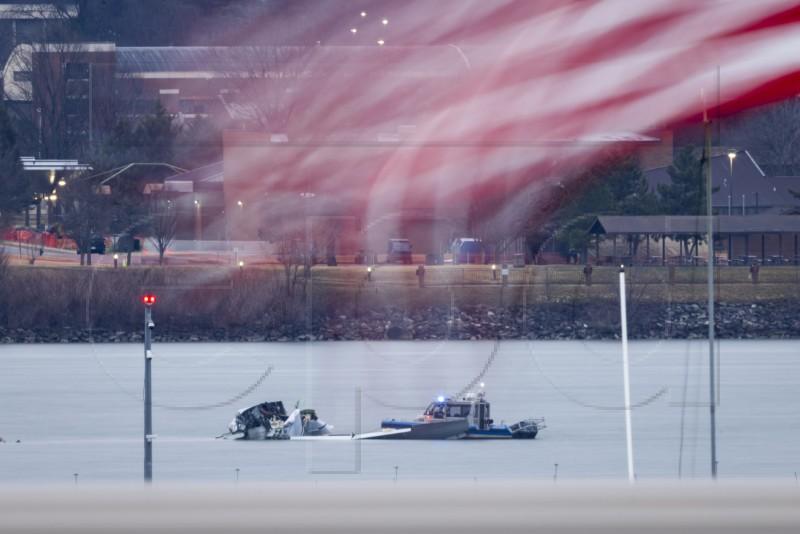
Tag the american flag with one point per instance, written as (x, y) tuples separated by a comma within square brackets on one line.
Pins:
[(506, 95)]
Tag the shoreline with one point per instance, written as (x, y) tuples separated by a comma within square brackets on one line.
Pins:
[(551, 321)]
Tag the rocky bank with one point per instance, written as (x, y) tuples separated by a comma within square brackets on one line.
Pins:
[(554, 320)]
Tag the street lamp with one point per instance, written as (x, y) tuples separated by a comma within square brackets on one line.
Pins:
[(62, 182), (385, 22), (353, 30), (116, 260), (731, 157), (381, 42), (240, 203), (198, 221), (363, 14)]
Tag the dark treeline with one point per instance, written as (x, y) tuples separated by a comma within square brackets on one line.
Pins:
[(205, 22)]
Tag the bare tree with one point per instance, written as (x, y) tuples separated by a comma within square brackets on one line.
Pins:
[(772, 133), (267, 82), (296, 239), (291, 252), (163, 219), (500, 222), (33, 247), (85, 215)]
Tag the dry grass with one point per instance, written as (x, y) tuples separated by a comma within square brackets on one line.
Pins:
[(44, 297)]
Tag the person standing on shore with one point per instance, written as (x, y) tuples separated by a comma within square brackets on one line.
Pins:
[(754, 272), (587, 274)]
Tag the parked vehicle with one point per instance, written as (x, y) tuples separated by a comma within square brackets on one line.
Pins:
[(128, 243), (97, 245), (467, 250), (399, 251)]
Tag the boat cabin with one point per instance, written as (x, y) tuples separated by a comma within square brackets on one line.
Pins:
[(473, 407)]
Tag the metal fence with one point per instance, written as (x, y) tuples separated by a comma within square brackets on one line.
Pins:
[(563, 275)]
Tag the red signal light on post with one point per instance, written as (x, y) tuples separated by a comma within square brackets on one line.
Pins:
[(149, 299)]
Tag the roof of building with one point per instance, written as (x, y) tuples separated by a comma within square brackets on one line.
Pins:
[(692, 225), (270, 61), (30, 163), (205, 177), (746, 178)]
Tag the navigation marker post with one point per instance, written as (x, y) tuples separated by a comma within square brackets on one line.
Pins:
[(626, 373), (148, 300)]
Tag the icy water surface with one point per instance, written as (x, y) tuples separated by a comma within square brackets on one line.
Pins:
[(78, 409)]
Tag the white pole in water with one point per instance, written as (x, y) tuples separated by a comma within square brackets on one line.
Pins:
[(625, 372)]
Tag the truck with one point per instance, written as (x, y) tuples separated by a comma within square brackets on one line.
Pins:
[(399, 251), (467, 250)]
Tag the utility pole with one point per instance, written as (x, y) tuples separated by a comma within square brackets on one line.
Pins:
[(91, 95), (710, 272), (148, 300)]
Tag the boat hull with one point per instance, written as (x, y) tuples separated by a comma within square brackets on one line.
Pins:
[(517, 431), (455, 429)]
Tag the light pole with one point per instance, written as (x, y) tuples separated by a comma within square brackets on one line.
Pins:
[(198, 221), (308, 246), (148, 300), (731, 157), (710, 290)]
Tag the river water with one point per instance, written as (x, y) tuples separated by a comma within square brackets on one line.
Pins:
[(78, 409)]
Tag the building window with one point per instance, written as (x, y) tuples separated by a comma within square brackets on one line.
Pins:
[(28, 31), (76, 106), (144, 106), (77, 71), (22, 76), (77, 125), (194, 106), (77, 89)]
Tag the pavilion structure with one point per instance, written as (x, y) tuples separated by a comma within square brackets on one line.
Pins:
[(745, 239)]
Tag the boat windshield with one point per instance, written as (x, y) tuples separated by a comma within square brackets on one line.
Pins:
[(436, 410), (440, 410)]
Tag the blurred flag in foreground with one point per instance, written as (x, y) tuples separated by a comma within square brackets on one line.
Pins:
[(526, 89)]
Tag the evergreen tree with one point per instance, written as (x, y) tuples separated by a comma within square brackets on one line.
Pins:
[(155, 136), (16, 192), (686, 192), (615, 185)]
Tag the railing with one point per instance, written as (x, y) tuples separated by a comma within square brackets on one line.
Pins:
[(574, 275)]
